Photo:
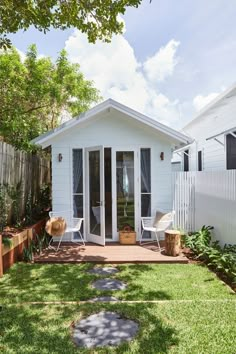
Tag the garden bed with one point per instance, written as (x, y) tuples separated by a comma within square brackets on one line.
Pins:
[(13, 252)]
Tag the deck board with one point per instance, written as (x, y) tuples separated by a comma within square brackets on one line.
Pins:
[(111, 253)]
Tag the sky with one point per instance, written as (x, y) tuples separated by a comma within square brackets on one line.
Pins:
[(173, 58)]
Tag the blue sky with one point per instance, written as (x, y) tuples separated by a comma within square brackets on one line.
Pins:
[(174, 57)]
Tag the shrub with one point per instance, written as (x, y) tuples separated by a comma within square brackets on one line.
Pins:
[(220, 259)]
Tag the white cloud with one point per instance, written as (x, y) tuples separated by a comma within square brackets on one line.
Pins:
[(201, 101), (162, 64), (22, 55), (118, 74)]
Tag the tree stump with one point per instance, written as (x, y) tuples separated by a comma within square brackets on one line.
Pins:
[(172, 242)]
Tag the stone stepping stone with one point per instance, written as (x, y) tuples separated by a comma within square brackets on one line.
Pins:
[(103, 329), (105, 299), (109, 284), (103, 271)]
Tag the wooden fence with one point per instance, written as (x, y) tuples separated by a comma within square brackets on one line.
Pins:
[(206, 198), (24, 171)]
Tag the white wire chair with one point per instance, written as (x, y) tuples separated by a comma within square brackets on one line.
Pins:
[(150, 224), (72, 225)]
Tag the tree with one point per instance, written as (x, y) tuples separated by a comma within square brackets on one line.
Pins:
[(35, 92), (97, 18)]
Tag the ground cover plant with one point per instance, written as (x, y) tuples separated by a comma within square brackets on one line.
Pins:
[(220, 259), (194, 312)]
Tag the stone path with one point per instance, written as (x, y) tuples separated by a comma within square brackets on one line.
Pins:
[(103, 271), (109, 284), (103, 329)]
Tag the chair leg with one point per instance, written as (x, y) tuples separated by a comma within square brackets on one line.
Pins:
[(59, 243), (158, 241), (140, 241), (81, 238), (50, 242)]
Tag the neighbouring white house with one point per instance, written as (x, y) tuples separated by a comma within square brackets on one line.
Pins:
[(213, 132), (111, 165)]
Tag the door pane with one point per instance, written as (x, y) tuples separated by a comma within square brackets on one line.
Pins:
[(108, 191), (94, 192), (125, 189)]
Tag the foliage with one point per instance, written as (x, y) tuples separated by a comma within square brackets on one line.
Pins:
[(36, 93), (221, 259), (4, 207), (15, 194), (7, 241), (35, 210), (28, 253), (98, 19), (36, 245), (199, 240), (44, 199)]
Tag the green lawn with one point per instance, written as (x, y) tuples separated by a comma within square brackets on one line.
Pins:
[(26, 282), (205, 323)]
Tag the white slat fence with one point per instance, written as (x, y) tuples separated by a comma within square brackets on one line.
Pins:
[(206, 198)]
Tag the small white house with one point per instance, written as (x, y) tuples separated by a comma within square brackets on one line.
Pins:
[(111, 165), (213, 132)]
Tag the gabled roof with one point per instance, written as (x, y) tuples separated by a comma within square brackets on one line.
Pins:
[(45, 139), (219, 101)]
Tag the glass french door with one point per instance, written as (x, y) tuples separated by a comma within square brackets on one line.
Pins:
[(95, 195)]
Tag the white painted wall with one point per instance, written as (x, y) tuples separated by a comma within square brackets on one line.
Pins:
[(112, 130), (216, 120)]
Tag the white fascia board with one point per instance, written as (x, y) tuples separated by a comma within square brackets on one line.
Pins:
[(45, 139), (151, 122)]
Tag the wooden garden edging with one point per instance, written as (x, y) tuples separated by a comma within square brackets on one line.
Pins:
[(12, 254)]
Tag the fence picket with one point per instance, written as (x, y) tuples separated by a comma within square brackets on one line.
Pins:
[(17, 167), (206, 198)]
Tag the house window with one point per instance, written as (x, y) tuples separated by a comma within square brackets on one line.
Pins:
[(145, 163), (78, 183), (231, 151), (186, 160), (200, 160)]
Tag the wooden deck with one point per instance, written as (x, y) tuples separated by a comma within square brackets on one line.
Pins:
[(111, 253)]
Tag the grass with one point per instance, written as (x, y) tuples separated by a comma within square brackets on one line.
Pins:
[(55, 282), (164, 328), (172, 326)]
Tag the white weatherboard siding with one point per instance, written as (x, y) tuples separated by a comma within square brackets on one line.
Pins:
[(116, 131), (217, 119)]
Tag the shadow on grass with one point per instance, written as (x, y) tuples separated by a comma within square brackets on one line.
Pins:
[(38, 329), (47, 282), (140, 290)]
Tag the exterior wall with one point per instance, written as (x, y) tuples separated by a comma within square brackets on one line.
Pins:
[(116, 131), (214, 121)]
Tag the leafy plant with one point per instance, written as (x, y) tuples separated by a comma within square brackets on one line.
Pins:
[(28, 253), (199, 240), (7, 241), (29, 210), (15, 194), (4, 207), (221, 259)]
